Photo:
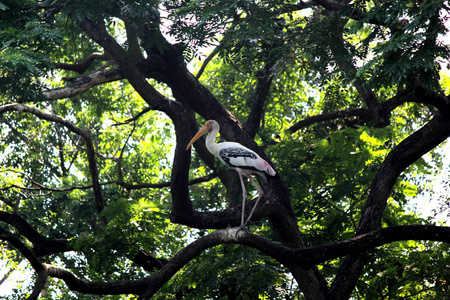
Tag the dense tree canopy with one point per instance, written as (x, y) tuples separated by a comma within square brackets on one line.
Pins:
[(345, 99)]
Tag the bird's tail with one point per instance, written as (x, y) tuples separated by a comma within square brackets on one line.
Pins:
[(265, 167)]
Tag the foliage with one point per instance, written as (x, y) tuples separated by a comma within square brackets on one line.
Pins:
[(227, 275), (303, 60), (25, 43)]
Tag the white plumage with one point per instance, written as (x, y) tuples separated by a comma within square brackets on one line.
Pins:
[(245, 161)]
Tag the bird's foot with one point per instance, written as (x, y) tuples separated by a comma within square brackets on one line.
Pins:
[(243, 225)]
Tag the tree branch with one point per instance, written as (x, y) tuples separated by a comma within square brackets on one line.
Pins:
[(84, 83), (128, 186), (343, 59), (41, 244), (135, 118), (216, 49), (265, 77), (346, 113), (128, 68), (148, 262), (363, 113), (90, 151), (31, 257), (85, 64), (402, 156), (441, 102), (407, 152), (95, 287), (136, 186), (306, 257), (207, 60)]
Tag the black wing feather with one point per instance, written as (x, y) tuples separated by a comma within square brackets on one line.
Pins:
[(227, 154)]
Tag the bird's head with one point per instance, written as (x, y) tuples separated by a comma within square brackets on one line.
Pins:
[(207, 127)]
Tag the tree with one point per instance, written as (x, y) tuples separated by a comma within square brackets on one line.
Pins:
[(99, 103)]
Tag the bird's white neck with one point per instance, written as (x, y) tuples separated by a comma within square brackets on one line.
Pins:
[(211, 145)]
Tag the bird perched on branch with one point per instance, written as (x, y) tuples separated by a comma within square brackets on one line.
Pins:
[(237, 157)]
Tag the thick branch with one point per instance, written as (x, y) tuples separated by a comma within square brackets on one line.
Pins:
[(84, 65), (441, 102), (309, 257), (223, 218), (364, 113), (343, 8), (288, 256), (41, 244), (402, 156), (95, 287), (134, 50), (331, 5), (84, 83), (145, 287), (128, 67), (306, 258), (148, 262)]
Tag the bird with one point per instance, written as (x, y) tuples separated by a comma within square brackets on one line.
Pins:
[(237, 157)]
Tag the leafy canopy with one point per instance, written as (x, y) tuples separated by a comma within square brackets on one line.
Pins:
[(333, 89)]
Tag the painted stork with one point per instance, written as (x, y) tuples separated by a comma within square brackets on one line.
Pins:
[(237, 157)]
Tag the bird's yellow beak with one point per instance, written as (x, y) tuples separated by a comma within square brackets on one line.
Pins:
[(199, 134)]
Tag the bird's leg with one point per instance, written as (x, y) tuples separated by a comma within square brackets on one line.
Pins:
[(244, 195), (260, 192)]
